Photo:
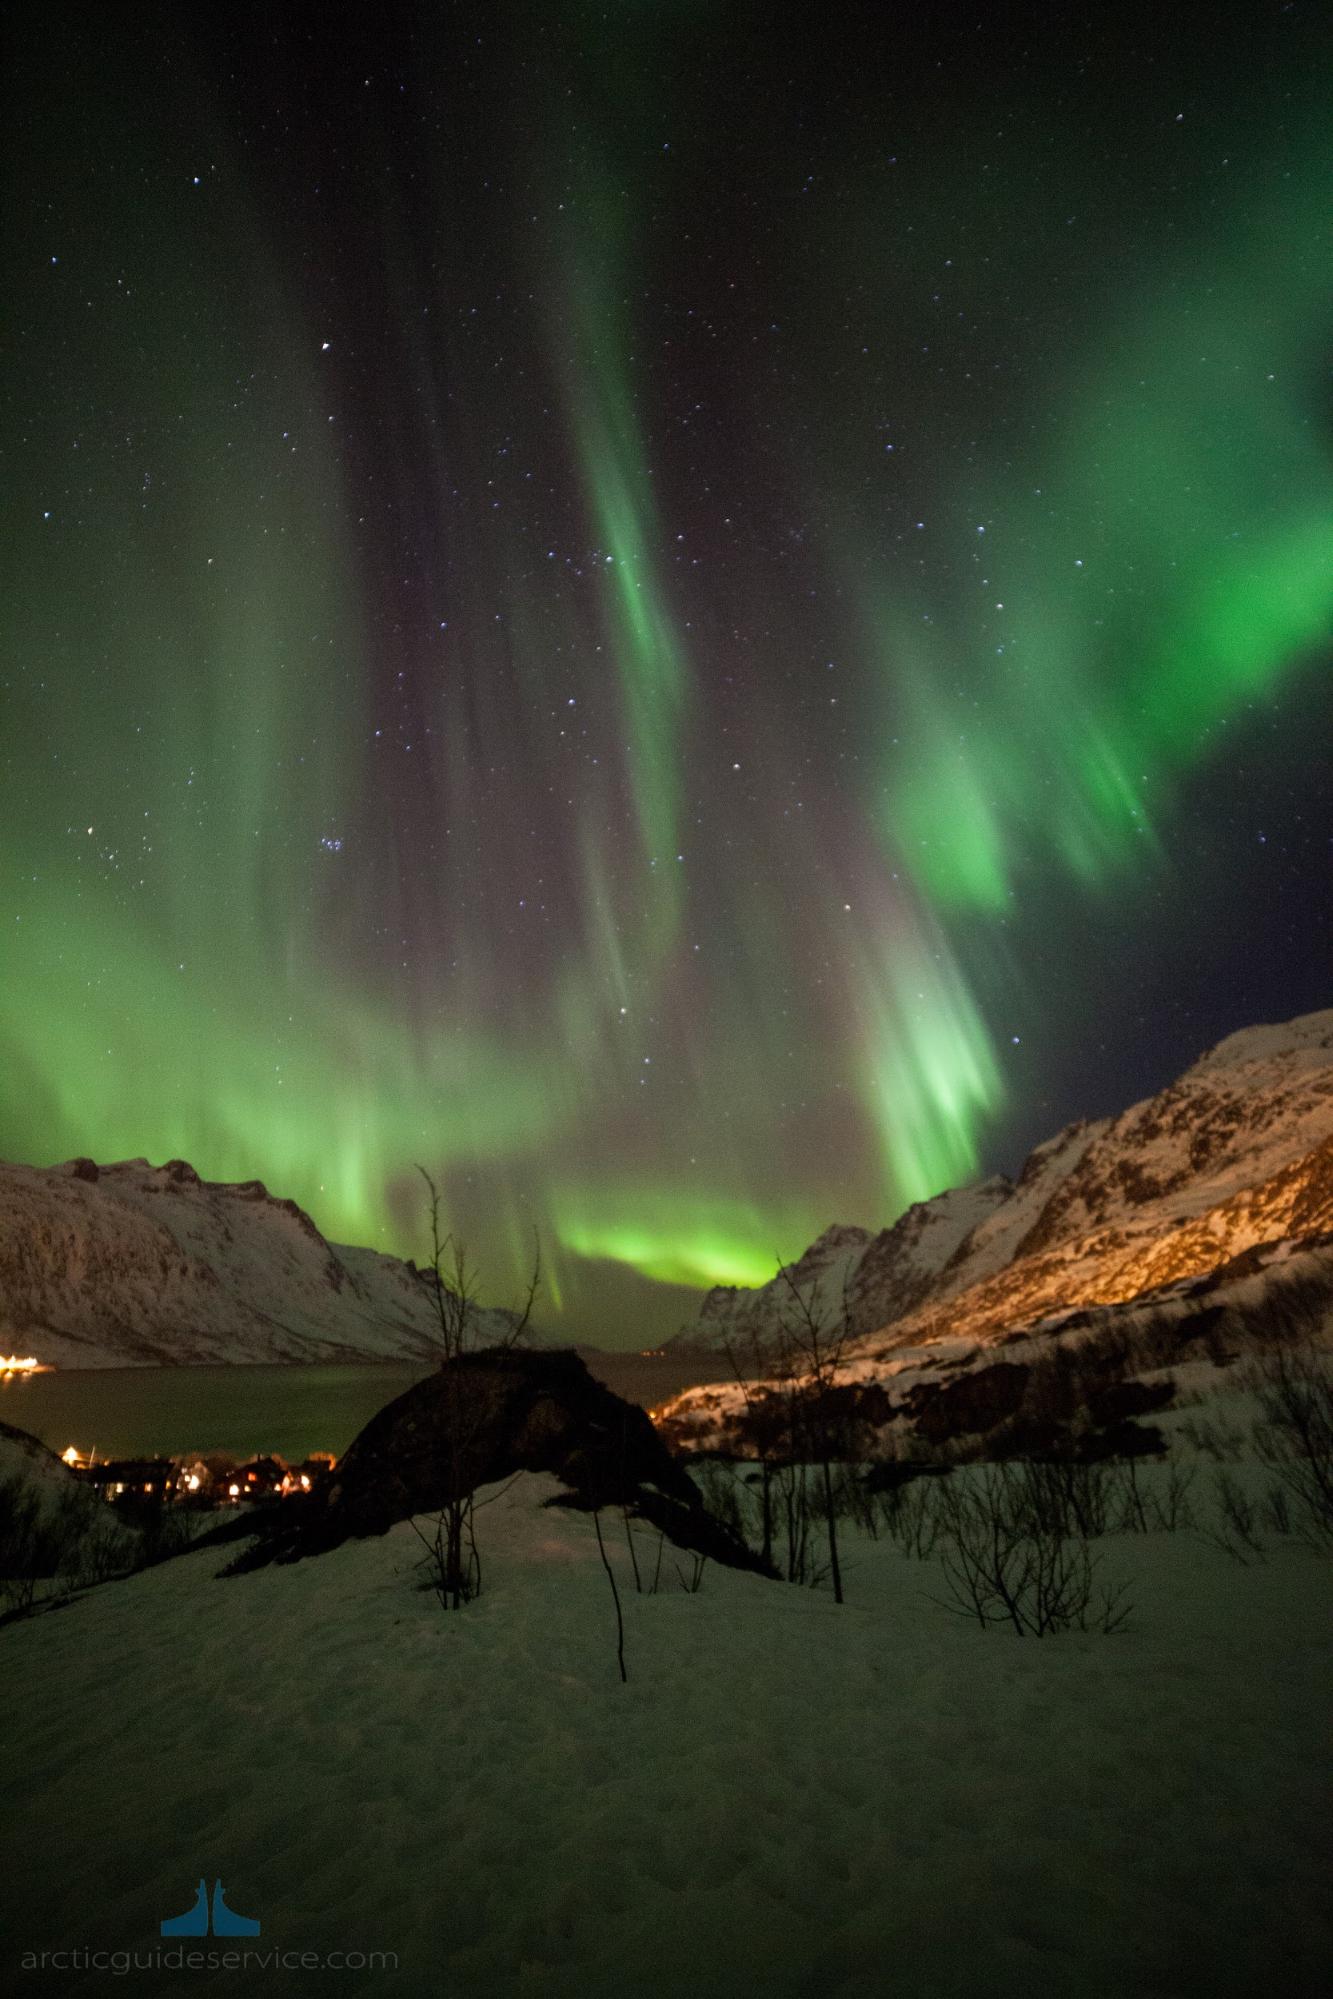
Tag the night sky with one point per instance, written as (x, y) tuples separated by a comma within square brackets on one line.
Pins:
[(704, 618)]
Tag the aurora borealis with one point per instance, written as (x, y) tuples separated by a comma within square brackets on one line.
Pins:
[(705, 619)]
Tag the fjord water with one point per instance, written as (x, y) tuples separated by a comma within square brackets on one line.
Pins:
[(290, 1411)]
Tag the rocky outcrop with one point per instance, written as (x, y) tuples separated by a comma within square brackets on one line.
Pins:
[(480, 1419), (971, 1405)]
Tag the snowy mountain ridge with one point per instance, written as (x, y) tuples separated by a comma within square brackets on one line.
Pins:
[(131, 1264), (1235, 1154), (139, 1265), (733, 1314)]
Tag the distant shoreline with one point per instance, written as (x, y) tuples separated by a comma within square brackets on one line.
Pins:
[(248, 1407)]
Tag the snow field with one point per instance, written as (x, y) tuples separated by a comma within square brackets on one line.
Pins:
[(788, 1798)]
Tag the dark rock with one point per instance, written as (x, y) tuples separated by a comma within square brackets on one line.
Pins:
[(976, 1402), (893, 1473), (482, 1418), (85, 1169), (1123, 1440), (1028, 1436), (791, 1424), (850, 1406), (1120, 1399)]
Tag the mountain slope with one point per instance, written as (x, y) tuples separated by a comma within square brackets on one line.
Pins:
[(732, 1315), (133, 1264), (1237, 1153)]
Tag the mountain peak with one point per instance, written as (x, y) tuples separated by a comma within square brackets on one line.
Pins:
[(1309, 1036), (133, 1263), (1230, 1157)]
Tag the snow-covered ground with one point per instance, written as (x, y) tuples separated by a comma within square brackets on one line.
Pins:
[(42, 1473), (788, 1797)]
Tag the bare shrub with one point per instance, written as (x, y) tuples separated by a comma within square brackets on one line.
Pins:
[(692, 1583), (94, 1545), (749, 1364), (53, 1546), (1295, 1438), (22, 1547), (1133, 1500), (856, 1502), (1162, 1507), (1004, 1566), (721, 1494), (795, 1513), (453, 1581), (167, 1531), (790, 1419), (911, 1516), (1236, 1526), (813, 1344), (1065, 1496), (1291, 1312), (1223, 1442)]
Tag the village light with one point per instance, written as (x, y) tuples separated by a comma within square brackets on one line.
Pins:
[(234, 1490), (71, 1456)]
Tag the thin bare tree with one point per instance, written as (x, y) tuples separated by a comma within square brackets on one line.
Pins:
[(452, 1559), (814, 1347), (615, 1593), (1295, 1438), (749, 1369)]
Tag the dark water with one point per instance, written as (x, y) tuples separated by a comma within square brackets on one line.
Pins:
[(175, 1411)]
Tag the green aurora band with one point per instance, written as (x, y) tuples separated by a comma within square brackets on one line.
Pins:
[(1169, 562), (192, 761)]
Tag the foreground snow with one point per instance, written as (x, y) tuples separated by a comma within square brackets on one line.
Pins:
[(788, 1797)]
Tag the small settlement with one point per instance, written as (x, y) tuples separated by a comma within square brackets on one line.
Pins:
[(200, 1483)]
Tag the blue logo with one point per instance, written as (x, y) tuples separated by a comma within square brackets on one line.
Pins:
[(194, 1923)]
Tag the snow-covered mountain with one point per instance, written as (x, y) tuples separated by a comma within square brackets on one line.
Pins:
[(732, 1316), (1236, 1154), (133, 1264)]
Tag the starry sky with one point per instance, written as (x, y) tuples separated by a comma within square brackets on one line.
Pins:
[(703, 618)]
